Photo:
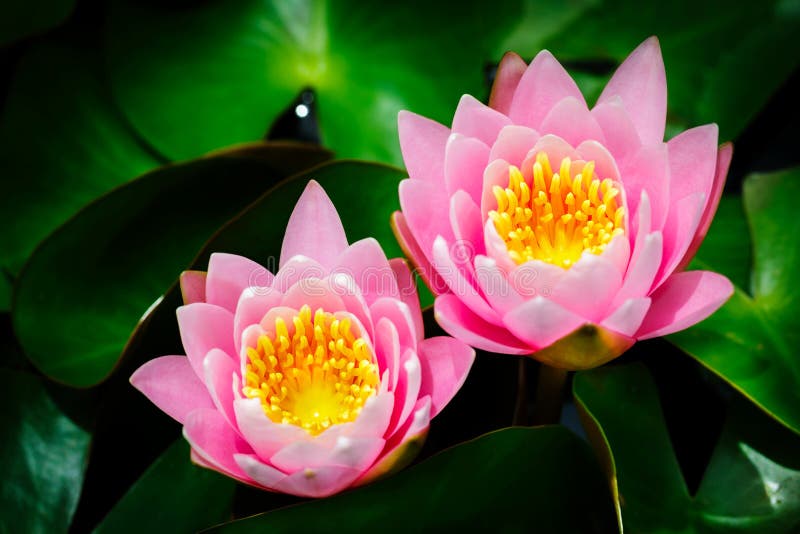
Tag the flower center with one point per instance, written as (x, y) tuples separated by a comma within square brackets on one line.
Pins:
[(313, 373), (555, 217)]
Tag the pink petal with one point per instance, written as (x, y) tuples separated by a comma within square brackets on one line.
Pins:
[(506, 80), (605, 165), (445, 364), (296, 269), (253, 305), (387, 350), (204, 327), (372, 421), (350, 294), (407, 390), (495, 285), (679, 232), (365, 262), (627, 318), (193, 286), (723, 162), (265, 475), (423, 206), (314, 229), (556, 149), (692, 161), (683, 300), (264, 435), (586, 289), (318, 482), (171, 384), (422, 142), (229, 275), (461, 323), (495, 174), (535, 277), (464, 161), (215, 441), (643, 268), (621, 136), (398, 313), (648, 170), (412, 250), (408, 294), (540, 322), (544, 83), (571, 120), (641, 83), (496, 248), (513, 144), (467, 223), (354, 452), (314, 293), (221, 376), (618, 252), (473, 119)]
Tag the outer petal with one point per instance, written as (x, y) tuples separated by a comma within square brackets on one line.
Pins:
[(222, 375), (318, 482), (193, 286), (407, 390), (465, 218), (445, 364), (473, 119), (506, 80), (171, 384), (642, 270), (355, 452), (679, 231), (422, 142), (314, 229), (648, 170), (628, 318), (204, 327), (365, 262), (693, 161), (463, 324), (412, 250), (642, 84), (570, 119), (215, 441), (464, 161), (622, 139), (540, 321), (399, 314), (494, 284), (513, 144), (683, 300), (408, 294), (229, 275), (544, 83), (422, 204)]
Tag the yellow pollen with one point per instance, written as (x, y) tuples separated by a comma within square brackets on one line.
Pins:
[(314, 372), (555, 217)]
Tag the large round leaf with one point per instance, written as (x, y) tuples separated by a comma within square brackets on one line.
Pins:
[(42, 457), (752, 483), (752, 341), (87, 285), (61, 145), (220, 72), (516, 480)]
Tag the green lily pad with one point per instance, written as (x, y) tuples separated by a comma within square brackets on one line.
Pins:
[(220, 72), (21, 18), (752, 482), (173, 495), (43, 457), (62, 144), (86, 287), (752, 341), (517, 479)]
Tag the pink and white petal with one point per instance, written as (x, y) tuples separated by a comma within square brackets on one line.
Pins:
[(412, 250), (398, 313), (204, 327), (253, 305), (424, 206), (229, 275), (555, 147), (495, 174), (264, 475), (296, 269), (461, 323), (648, 170), (641, 82), (693, 161), (679, 232), (588, 287), (474, 119), (467, 223), (506, 80), (513, 144), (222, 375), (571, 120), (540, 322), (372, 421), (408, 294), (445, 363), (535, 277), (723, 162), (495, 286), (496, 248), (388, 351), (422, 142), (171, 384), (365, 262), (355, 452), (193, 286), (621, 136), (544, 83), (407, 390), (318, 482), (618, 252), (314, 229), (265, 436), (639, 225), (213, 439), (684, 300), (353, 300), (604, 164), (628, 317), (643, 269), (312, 292)]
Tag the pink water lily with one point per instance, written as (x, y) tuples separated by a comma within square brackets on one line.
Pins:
[(550, 229), (311, 380)]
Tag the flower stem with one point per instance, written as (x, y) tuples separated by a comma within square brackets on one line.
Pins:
[(549, 395), (521, 406)]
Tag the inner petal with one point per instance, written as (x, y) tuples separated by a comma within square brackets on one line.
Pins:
[(316, 372), (556, 216)]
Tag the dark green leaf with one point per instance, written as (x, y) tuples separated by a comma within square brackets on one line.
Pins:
[(173, 495), (516, 480), (21, 18), (89, 283), (42, 457)]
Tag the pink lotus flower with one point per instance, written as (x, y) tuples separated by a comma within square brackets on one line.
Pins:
[(548, 228), (312, 380)]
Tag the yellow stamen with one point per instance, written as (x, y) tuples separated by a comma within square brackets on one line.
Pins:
[(314, 372), (555, 217)]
